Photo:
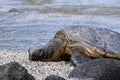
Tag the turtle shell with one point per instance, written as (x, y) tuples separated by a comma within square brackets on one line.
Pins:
[(100, 38)]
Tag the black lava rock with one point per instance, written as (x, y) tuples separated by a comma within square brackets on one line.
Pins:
[(14, 71), (97, 69), (54, 77), (13, 10)]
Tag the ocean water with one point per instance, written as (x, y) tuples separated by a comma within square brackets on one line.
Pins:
[(32, 23)]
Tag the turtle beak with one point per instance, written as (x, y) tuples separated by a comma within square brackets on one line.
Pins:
[(30, 55)]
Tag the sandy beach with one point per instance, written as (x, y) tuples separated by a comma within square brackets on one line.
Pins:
[(39, 70), (32, 23)]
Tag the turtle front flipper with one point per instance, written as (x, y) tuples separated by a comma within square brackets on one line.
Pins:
[(78, 58)]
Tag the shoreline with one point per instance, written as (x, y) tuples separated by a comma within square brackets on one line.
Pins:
[(40, 70)]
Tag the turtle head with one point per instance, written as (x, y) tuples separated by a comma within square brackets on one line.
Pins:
[(42, 54)]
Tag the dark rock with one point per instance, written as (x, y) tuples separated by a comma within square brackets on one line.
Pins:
[(54, 77), (14, 71), (97, 69), (13, 10)]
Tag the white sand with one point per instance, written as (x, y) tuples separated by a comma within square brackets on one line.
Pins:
[(39, 70)]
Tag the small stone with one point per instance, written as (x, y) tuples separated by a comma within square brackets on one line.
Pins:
[(54, 77), (13, 10)]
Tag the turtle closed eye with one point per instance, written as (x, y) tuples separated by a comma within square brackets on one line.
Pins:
[(41, 52)]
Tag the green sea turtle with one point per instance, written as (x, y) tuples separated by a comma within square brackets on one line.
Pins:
[(79, 43)]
